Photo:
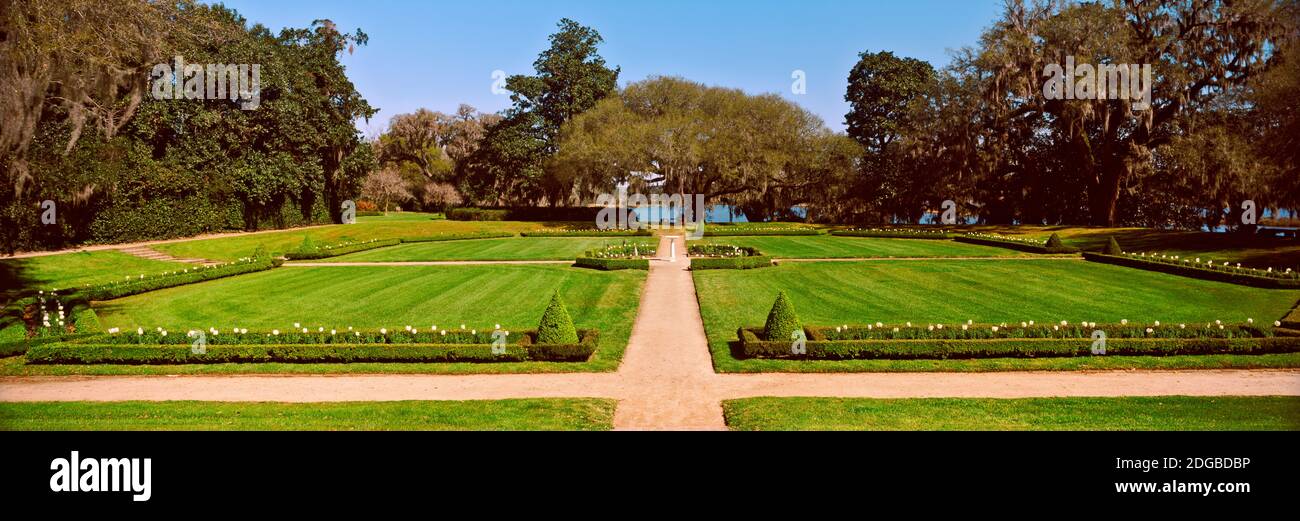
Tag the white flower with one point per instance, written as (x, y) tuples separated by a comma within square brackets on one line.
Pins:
[(969, 322), (1056, 328), (164, 333), (995, 329), (1064, 323), (275, 332), (320, 329), (895, 330), (1220, 322), (333, 332), (408, 328), (929, 328), (498, 326), (295, 324), (1220, 326), (473, 331), (243, 331), (869, 326), (1157, 323), (879, 324), (1124, 321), (462, 326), (1250, 321), (1149, 331), (349, 328), (1277, 323), (304, 330), (1024, 324), (1182, 326), (837, 329), (383, 331), (909, 324), (938, 326), (964, 326), (444, 332), (139, 331), (1031, 322)]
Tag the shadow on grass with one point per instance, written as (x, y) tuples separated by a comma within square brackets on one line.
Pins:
[(17, 280)]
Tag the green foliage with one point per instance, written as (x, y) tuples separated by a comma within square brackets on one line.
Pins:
[(556, 327), (610, 264), (895, 233), (781, 321), (307, 245), (1054, 242), (715, 231), (1112, 247), (475, 214), (457, 237), (752, 347), (1017, 244)]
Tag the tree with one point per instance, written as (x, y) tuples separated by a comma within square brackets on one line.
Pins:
[(386, 185), (570, 78)]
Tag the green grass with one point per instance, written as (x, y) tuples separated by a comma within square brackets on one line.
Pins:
[(374, 297), (520, 248), (1160, 413), (987, 291), (528, 414), (69, 270), (832, 247), (391, 226), (1258, 252)]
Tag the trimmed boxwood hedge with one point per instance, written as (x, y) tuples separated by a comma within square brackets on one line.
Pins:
[(1244, 279), (587, 233), (1016, 245), (325, 252), (754, 259), (525, 213), (192, 275), (610, 264), (895, 234), (88, 352), (937, 349), (741, 232)]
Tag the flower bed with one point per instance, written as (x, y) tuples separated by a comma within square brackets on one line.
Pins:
[(345, 248), (726, 257), (588, 232), (894, 233), (264, 347), (1014, 243), (988, 341), (457, 237), (626, 256), (724, 231), (1202, 270)]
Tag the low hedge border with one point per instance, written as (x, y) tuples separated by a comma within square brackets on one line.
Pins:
[(1194, 272), (115, 290), (86, 352), (1014, 245), (611, 264), (457, 237), (587, 233), (895, 234), (731, 263), (752, 347), (753, 259), (326, 252), (724, 232)]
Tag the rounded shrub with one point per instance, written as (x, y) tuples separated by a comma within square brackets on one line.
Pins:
[(781, 321), (556, 326)]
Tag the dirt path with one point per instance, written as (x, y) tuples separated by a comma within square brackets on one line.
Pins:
[(666, 380)]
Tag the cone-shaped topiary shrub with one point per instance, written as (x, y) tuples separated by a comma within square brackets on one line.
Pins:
[(556, 326), (1055, 241), (307, 244), (781, 321), (1112, 248)]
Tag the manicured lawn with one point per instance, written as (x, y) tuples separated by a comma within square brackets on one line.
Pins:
[(1160, 413), (379, 227), (519, 248), (1251, 251), (832, 247), (584, 414), (394, 297), (953, 291), (69, 270)]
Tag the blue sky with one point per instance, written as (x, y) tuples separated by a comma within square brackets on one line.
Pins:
[(437, 54)]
